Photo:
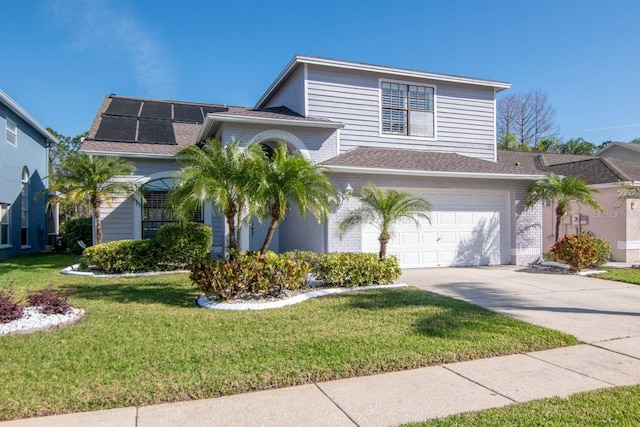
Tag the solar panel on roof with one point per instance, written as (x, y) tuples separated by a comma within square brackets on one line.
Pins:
[(212, 109), (187, 113), (117, 129), (156, 110), (124, 107), (153, 131)]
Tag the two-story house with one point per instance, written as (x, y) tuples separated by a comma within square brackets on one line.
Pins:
[(24, 162), (433, 135)]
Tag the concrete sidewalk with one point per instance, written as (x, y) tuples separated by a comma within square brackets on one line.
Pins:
[(392, 398), (603, 314)]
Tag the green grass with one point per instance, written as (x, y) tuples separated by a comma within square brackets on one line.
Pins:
[(618, 406), (628, 275), (143, 341)]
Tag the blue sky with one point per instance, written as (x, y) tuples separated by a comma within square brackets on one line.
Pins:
[(61, 57)]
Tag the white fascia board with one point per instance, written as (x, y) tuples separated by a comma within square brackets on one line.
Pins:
[(130, 155), (614, 184), (24, 115), (443, 174), (301, 59), (629, 146), (212, 119)]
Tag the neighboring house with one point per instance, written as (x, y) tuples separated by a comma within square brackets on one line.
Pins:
[(618, 223), (24, 162), (627, 151), (433, 135)]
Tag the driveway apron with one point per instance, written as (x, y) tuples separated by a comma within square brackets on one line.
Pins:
[(594, 310)]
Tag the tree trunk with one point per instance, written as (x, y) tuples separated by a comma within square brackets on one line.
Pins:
[(559, 215), (97, 204), (275, 214), (230, 215), (383, 239)]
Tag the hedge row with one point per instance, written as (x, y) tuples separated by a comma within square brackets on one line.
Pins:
[(271, 274), (175, 246)]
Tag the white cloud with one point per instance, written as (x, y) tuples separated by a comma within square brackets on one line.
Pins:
[(111, 30), (613, 127)]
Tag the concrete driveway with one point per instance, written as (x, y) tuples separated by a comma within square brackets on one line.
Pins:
[(591, 309)]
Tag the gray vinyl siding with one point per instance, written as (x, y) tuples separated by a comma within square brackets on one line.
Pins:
[(320, 143), (147, 167), (291, 93), (465, 119), (117, 220)]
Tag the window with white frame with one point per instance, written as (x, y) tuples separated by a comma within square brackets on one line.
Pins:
[(12, 132), (4, 224), (407, 109), (24, 212)]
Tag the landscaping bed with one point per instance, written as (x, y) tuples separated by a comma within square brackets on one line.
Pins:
[(142, 341)]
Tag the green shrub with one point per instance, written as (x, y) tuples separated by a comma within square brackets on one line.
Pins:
[(582, 251), (248, 273), (312, 258), (356, 269), (183, 243), (77, 229), (122, 256)]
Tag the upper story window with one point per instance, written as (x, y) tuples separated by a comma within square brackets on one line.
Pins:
[(4, 224), (407, 109), (12, 132)]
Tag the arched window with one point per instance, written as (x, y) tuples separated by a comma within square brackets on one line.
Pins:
[(156, 211), (24, 210)]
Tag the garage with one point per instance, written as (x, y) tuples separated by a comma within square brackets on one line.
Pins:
[(467, 228)]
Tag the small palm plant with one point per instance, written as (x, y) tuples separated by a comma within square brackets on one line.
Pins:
[(563, 191), (383, 208), (226, 175), (82, 177), (288, 180)]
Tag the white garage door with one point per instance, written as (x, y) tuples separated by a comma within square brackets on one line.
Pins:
[(465, 229)]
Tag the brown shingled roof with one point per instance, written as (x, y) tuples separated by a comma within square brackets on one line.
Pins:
[(591, 169), (419, 160)]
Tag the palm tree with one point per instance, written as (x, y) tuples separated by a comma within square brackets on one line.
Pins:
[(225, 175), (564, 191), (287, 179), (382, 208), (82, 177)]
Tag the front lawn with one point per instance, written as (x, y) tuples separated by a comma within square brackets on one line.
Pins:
[(618, 406), (628, 275), (143, 341)]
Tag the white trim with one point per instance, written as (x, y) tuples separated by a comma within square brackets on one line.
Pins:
[(402, 172), (13, 131), (25, 247), (625, 145), (127, 154), (214, 118), (301, 59), (628, 244), (495, 127), (337, 142), (22, 113), (408, 137), (306, 90), (614, 185), (6, 246), (281, 135)]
